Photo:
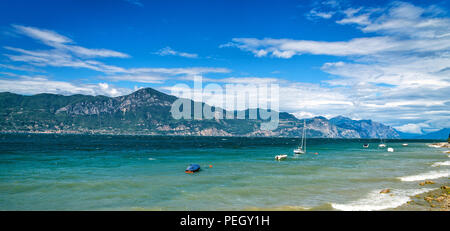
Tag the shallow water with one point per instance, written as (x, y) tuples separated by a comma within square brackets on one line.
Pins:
[(89, 172)]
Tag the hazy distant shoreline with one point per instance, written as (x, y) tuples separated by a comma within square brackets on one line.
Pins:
[(172, 135)]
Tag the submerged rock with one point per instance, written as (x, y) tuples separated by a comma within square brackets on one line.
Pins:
[(385, 191), (426, 182)]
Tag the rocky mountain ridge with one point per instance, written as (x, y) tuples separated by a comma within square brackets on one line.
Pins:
[(147, 112)]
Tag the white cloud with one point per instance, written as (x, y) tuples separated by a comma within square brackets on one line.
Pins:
[(64, 53), (246, 80), (286, 48), (137, 78), (360, 19), (46, 36), (424, 31), (317, 14), (397, 74), (236, 80), (58, 58), (85, 52), (379, 45), (64, 44), (159, 75), (29, 85), (180, 71), (21, 68), (302, 98), (411, 128), (169, 51), (408, 20)]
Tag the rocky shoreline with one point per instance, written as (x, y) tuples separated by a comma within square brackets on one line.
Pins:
[(440, 145), (434, 200)]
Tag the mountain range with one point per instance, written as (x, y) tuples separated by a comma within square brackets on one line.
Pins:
[(440, 135), (147, 112)]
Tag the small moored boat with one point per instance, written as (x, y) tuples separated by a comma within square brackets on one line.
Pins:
[(404, 145), (365, 145), (390, 150), (192, 168), (280, 157)]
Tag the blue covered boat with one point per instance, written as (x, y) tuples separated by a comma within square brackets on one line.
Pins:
[(192, 168)]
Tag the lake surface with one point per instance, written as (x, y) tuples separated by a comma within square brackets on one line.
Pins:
[(100, 172)]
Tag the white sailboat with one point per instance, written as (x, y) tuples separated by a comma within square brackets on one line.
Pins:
[(382, 144), (302, 148)]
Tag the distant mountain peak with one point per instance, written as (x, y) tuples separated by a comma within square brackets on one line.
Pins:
[(340, 117), (147, 91)]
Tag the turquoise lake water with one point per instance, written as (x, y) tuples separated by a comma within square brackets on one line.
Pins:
[(100, 172)]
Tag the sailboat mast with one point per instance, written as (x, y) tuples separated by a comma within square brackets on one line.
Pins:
[(303, 136), (304, 133)]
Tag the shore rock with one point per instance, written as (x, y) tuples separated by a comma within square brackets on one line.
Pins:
[(426, 182), (385, 191), (441, 145), (435, 200)]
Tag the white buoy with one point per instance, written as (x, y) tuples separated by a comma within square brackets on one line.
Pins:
[(390, 150)]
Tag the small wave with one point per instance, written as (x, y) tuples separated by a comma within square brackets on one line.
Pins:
[(426, 176), (379, 201), (434, 146), (151, 158), (443, 163)]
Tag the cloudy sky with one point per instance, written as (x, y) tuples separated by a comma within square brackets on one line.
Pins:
[(389, 61)]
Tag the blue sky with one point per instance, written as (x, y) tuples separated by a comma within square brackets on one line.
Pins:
[(388, 61)]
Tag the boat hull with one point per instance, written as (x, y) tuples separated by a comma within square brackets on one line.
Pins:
[(192, 168), (280, 157)]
